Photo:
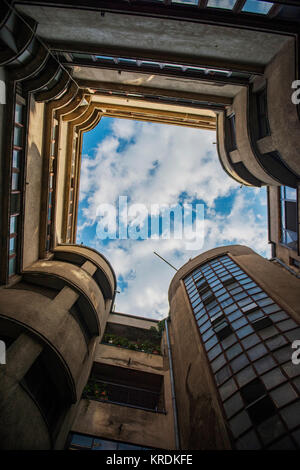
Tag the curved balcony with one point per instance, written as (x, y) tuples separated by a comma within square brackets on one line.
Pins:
[(78, 254), (58, 274)]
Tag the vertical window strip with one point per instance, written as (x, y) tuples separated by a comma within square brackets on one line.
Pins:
[(246, 353), (52, 170), (16, 184)]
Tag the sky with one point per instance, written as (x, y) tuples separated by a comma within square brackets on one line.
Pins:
[(166, 166)]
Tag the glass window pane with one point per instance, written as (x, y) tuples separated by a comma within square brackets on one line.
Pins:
[(283, 395), (283, 355), (223, 375), (239, 363), (235, 315), (12, 245), (287, 325), (13, 224), (214, 352), (240, 423), (245, 376), (275, 317), (259, 7), (248, 442), (292, 370), (227, 389), (271, 429), (257, 352), (246, 330), (291, 415), (275, 343), (283, 444), (273, 378), (233, 405), (18, 113), (18, 136), (219, 362), (15, 181), (250, 341), (101, 444), (12, 266), (16, 159), (82, 441), (238, 323), (233, 351), (226, 342), (264, 364)]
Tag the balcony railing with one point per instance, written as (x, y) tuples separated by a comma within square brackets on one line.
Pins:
[(120, 394)]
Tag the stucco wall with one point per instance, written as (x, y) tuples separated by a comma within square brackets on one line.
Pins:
[(33, 183)]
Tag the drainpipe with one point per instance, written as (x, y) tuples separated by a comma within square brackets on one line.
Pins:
[(177, 440), (290, 270)]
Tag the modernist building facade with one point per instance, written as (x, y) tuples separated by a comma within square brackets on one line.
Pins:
[(234, 317), (64, 65)]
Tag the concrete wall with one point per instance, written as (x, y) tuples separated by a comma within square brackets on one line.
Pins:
[(123, 357), (33, 183), (282, 113), (48, 321), (61, 180), (110, 421), (124, 423), (200, 418)]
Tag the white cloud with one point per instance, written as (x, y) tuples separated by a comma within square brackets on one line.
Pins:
[(156, 164)]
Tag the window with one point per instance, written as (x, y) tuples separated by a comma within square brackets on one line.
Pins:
[(262, 113), (258, 7), (222, 329), (231, 133), (225, 4), (112, 384), (248, 346), (44, 390), (289, 216), (83, 442), (258, 404), (16, 184)]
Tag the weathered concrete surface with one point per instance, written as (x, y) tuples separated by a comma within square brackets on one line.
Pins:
[(93, 256), (75, 277), (126, 424), (154, 34), (200, 417), (122, 357), (33, 183), (22, 426)]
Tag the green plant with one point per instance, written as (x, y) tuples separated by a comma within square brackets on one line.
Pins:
[(95, 389), (148, 346)]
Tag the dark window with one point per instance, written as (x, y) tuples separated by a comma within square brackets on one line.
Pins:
[(261, 410), (231, 133), (125, 386), (262, 113), (289, 216), (222, 328), (258, 404), (262, 323), (44, 390)]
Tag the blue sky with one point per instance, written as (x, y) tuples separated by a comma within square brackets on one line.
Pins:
[(166, 165)]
